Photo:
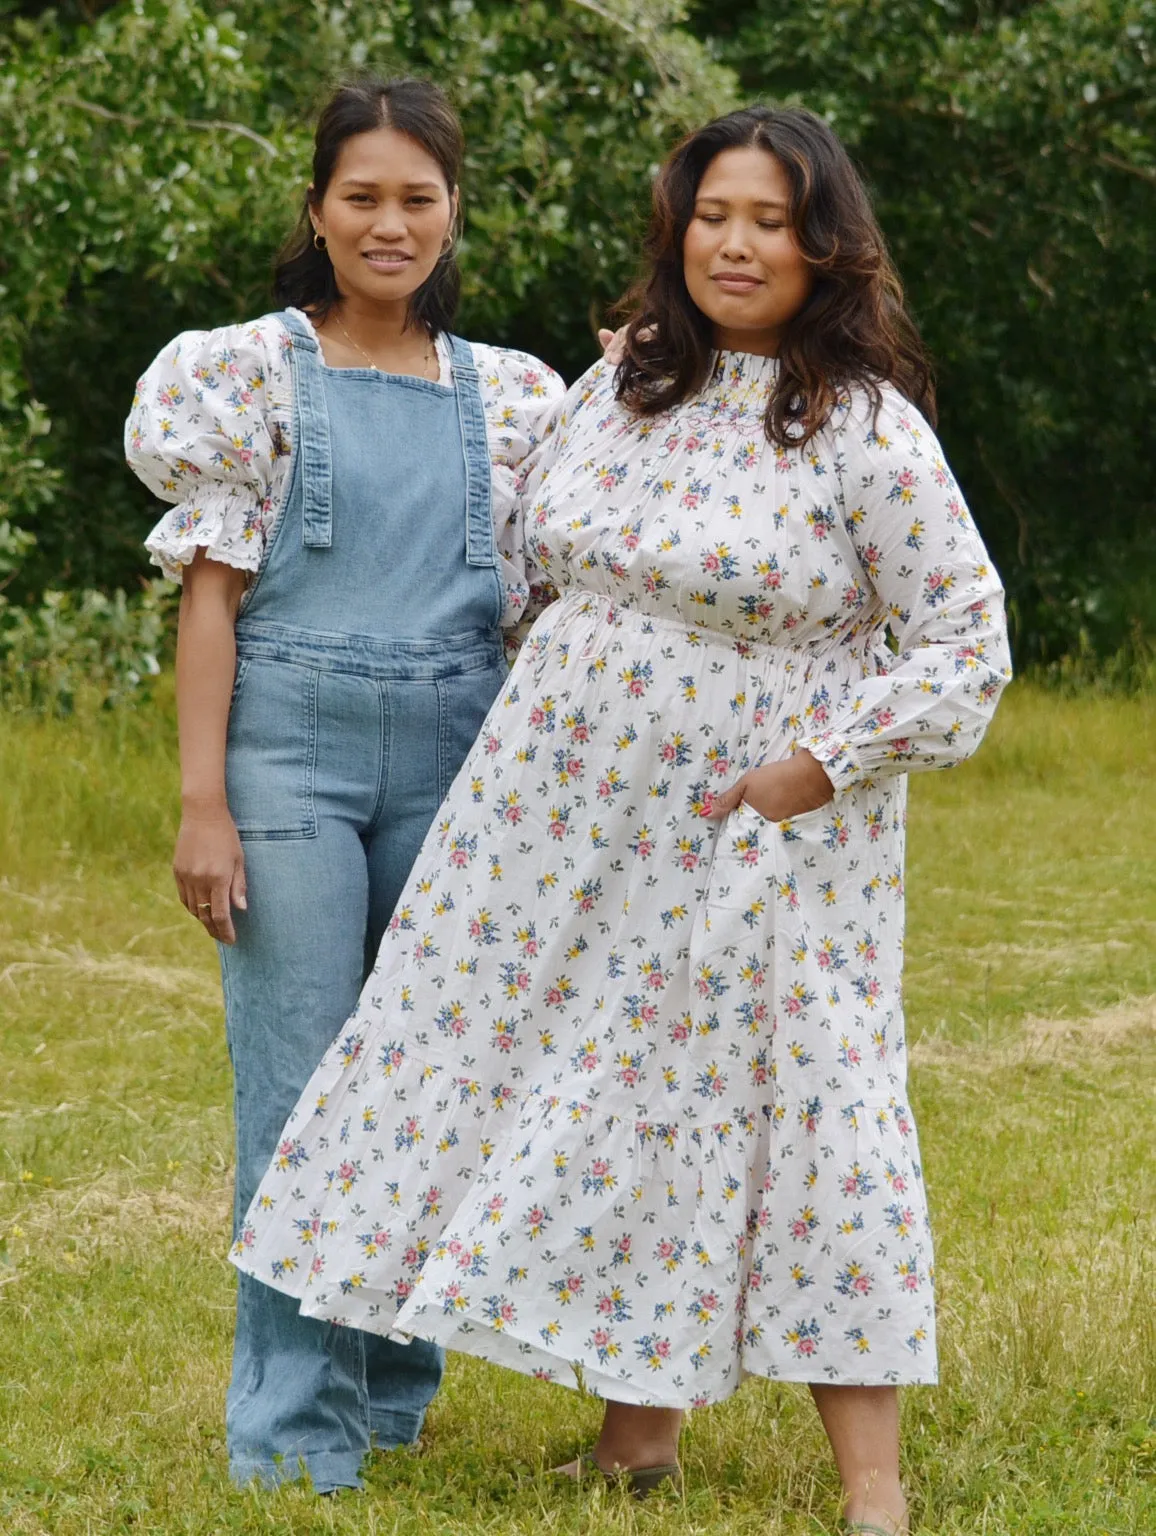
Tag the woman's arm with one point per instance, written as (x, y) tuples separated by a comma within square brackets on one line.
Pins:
[(919, 549), (208, 863), (917, 546), (209, 432)]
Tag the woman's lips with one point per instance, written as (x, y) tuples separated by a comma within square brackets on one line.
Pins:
[(733, 283), (383, 263)]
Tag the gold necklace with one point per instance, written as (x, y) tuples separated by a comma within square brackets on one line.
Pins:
[(357, 347)]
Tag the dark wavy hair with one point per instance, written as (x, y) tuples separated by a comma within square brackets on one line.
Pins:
[(853, 329), (303, 276)]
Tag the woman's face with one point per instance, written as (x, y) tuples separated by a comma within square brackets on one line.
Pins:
[(386, 216), (740, 261)]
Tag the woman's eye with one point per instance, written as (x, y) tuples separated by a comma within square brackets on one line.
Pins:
[(710, 218), (770, 224)]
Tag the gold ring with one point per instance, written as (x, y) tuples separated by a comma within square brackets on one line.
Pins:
[(204, 906)]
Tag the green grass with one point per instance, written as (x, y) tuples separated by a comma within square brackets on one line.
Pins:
[(1032, 1001)]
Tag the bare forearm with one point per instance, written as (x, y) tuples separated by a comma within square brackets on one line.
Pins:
[(206, 659), (209, 862)]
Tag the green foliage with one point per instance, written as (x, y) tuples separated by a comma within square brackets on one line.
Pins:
[(74, 646), (1012, 152), (155, 152), (27, 482)]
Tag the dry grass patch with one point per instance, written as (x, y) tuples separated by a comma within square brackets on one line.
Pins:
[(120, 970), (1113, 1027), (1128, 1025), (113, 1211)]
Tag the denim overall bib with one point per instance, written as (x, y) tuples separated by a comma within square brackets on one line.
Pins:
[(367, 656)]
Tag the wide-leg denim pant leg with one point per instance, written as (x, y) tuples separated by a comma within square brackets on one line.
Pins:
[(302, 1391), (367, 656), (307, 1394)]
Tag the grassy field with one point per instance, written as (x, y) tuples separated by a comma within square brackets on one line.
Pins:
[(1032, 1001)]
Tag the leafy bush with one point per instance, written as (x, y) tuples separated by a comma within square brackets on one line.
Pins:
[(82, 646), (154, 153)]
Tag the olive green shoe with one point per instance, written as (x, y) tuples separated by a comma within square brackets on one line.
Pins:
[(640, 1481)]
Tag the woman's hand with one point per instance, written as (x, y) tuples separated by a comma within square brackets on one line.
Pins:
[(778, 791), (209, 866), (613, 344)]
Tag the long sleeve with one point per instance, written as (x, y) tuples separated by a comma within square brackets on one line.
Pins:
[(940, 595), (209, 431)]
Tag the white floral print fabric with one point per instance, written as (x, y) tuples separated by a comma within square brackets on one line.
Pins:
[(624, 1098), (211, 430)]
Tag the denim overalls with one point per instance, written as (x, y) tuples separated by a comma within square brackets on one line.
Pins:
[(367, 655)]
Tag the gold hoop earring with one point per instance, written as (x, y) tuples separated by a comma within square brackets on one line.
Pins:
[(319, 241), (453, 240)]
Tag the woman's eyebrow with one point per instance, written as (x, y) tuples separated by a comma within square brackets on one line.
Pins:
[(725, 202), (409, 186)]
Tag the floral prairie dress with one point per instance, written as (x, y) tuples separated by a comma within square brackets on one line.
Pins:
[(623, 1102)]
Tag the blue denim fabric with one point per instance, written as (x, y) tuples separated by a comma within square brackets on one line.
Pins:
[(367, 656)]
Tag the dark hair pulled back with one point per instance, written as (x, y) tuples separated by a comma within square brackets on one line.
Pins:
[(303, 276), (853, 329)]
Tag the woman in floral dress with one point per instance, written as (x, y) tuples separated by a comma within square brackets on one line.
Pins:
[(623, 1103)]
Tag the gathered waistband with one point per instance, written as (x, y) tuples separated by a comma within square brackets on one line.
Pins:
[(368, 656), (593, 619)]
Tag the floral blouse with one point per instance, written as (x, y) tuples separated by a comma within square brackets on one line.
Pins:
[(211, 431)]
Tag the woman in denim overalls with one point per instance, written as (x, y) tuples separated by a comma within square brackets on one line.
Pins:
[(337, 471)]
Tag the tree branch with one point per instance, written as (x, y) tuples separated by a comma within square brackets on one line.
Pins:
[(631, 31), (1119, 164), (1012, 500), (214, 125)]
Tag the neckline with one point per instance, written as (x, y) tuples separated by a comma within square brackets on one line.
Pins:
[(754, 357), (443, 382), (751, 365)]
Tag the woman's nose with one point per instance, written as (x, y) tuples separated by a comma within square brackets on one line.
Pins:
[(390, 223)]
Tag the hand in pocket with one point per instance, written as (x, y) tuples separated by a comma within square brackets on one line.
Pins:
[(778, 791)]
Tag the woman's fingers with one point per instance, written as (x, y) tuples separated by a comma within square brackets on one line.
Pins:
[(728, 800), (209, 899), (613, 344), (187, 899), (238, 890), (221, 910)]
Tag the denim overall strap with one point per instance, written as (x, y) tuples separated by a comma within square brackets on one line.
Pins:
[(315, 466), (480, 550)]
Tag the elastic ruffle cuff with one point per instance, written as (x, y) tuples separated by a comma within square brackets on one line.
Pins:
[(837, 757), (225, 521)]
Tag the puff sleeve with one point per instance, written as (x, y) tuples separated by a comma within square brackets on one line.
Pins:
[(520, 396), (209, 431)]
